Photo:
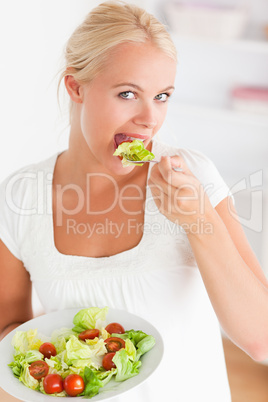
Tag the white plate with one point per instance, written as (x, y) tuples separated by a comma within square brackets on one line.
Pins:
[(47, 323)]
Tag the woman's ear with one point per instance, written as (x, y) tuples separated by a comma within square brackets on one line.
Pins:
[(73, 88)]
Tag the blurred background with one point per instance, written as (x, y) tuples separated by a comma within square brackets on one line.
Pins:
[(220, 105)]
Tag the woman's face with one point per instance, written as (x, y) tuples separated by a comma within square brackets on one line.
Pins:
[(128, 97)]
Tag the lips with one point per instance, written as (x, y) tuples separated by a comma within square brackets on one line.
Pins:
[(119, 138)]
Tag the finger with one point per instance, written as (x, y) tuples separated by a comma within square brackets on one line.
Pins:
[(162, 184), (178, 162), (171, 177), (165, 169), (168, 166), (162, 200)]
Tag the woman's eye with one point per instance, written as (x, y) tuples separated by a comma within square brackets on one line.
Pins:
[(162, 97), (127, 95)]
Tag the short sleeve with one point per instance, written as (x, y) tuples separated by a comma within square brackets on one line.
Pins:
[(208, 175), (202, 167), (23, 199)]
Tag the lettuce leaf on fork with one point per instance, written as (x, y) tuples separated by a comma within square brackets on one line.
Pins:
[(133, 151)]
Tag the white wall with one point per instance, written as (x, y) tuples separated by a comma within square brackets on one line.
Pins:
[(33, 34)]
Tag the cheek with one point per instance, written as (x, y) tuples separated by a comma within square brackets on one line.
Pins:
[(161, 115), (102, 117), (87, 124), (117, 112)]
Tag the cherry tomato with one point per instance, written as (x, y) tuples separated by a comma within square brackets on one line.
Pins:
[(113, 344), (53, 383), (38, 369), (48, 350), (73, 384), (107, 361), (115, 328), (89, 334)]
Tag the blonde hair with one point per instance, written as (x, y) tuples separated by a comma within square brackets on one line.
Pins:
[(106, 26)]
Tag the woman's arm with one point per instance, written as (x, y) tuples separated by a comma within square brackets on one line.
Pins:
[(15, 292), (235, 283)]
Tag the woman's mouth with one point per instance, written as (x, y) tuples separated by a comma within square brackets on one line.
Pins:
[(119, 138)]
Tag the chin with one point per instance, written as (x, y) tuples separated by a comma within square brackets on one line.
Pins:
[(119, 169)]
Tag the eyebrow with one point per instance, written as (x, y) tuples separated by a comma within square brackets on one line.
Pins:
[(127, 84)]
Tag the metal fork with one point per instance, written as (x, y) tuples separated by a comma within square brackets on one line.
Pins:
[(176, 169)]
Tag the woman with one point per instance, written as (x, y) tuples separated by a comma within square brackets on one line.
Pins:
[(159, 243)]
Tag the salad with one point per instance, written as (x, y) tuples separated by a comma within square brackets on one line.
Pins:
[(133, 151), (79, 361)]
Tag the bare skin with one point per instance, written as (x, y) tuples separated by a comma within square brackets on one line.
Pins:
[(15, 291)]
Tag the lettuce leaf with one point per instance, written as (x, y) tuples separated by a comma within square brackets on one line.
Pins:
[(125, 368), (58, 363), (23, 341), (59, 338), (27, 379), (33, 355), (133, 151), (89, 318), (95, 380), (131, 350), (77, 351), (145, 345), (142, 342), (93, 383)]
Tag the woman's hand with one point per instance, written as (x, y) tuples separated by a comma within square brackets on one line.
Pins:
[(179, 195)]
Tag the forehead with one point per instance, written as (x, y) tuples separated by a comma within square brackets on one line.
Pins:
[(141, 63)]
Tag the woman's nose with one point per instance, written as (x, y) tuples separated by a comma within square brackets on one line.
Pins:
[(146, 117)]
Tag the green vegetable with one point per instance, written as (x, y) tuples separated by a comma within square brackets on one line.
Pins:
[(130, 349), (26, 345), (78, 351), (134, 151), (146, 344), (27, 379), (33, 355), (125, 368), (88, 318), (23, 341), (142, 342), (93, 383), (59, 338)]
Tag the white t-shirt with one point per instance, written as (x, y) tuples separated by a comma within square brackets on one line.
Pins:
[(158, 279)]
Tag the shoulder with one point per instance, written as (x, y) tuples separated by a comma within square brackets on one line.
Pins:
[(194, 158), (45, 166), (27, 179), (23, 190)]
